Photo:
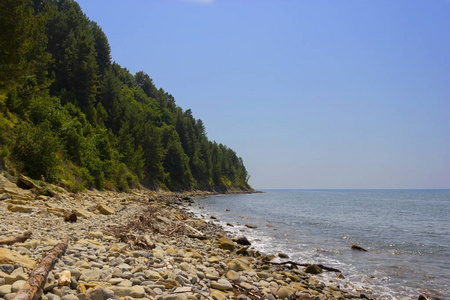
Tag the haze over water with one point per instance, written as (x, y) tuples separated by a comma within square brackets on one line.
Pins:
[(406, 233)]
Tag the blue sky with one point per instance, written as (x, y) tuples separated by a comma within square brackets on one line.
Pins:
[(311, 94)]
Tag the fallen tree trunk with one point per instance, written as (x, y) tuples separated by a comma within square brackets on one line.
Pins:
[(16, 239), (38, 276), (305, 265)]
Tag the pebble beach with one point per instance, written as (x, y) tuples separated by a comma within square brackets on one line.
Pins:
[(141, 245)]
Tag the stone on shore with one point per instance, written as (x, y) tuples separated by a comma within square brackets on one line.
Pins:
[(105, 210), (12, 258), (100, 293), (242, 241), (226, 244), (20, 208), (80, 212), (313, 269), (221, 284)]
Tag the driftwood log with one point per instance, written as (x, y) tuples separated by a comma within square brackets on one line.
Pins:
[(38, 276), (16, 239), (305, 265)]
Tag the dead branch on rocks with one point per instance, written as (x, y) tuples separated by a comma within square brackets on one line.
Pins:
[(37, 277), (154, 220), (292, 263), (16, 239)]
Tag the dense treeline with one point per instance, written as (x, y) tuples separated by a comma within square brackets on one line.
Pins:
[(69, 114)]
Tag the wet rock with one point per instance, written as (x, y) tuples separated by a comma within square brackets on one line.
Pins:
[(283, 255), (242, 241), (358, 248), (313, 269), (251, 226)]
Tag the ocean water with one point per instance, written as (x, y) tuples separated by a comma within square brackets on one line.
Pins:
[(406, 233)]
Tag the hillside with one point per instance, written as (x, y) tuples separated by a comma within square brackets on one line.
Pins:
[(72, 116)]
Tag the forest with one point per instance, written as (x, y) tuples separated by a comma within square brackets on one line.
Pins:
[(70, 115)]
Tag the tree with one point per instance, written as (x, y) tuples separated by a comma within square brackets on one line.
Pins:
[(23, 59)]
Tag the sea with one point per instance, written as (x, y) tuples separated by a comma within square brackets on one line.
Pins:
[(406, 234)]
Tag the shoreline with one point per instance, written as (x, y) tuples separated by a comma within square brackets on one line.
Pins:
[(144, 245)]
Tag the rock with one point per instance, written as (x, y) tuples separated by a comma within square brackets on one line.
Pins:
[(422, 297), (51, 296), (70, 217), (7, 268), (64, 278), (96, 234), (239, 264), (26, 183), (242, 241), (133, 291), (218, 295), (313, 269), (358, 248), (5, 197), (233, 276), (152, 275), (31, 244), (12, 258), (92, 275), (50, 282), (163, 219), (105, 210), (69, 297), (16, 286), (82, 213), (251, 226), (221, 284), (100, 293), (20, 208), (285, 292), (226, 244), (242, 251), (283, 255), (5, 289)]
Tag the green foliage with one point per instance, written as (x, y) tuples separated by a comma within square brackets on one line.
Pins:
[(69, 114), (37, 149)]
